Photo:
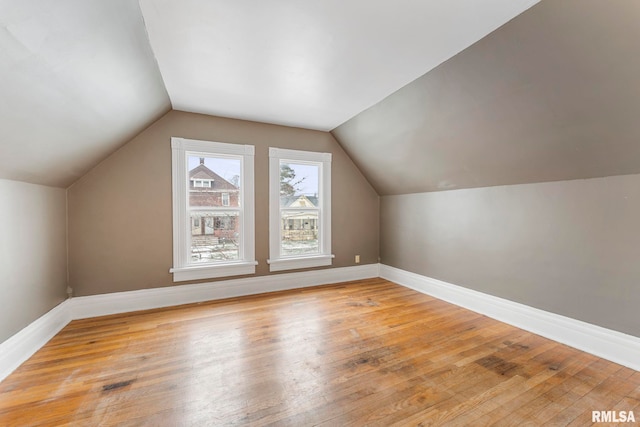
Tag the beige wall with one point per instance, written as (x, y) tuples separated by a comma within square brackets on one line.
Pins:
[(33, 253), (567, 247), (120, 229), (551, 95)]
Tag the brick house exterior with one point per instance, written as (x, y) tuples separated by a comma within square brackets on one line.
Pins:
[(207, 189)]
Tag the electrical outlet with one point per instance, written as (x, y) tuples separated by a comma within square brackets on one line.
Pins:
[(357, 259)]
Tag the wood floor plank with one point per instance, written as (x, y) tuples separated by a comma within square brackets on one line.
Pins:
[(367, 352), (521, 405)]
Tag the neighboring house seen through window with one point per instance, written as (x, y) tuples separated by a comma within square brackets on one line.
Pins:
[(300, 209), (213, 212)]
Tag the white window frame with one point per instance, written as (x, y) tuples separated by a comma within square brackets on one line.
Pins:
[(225, 199), (276, 261), (183, 269)]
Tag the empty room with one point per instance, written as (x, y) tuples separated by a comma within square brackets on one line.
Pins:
[(319, 213)]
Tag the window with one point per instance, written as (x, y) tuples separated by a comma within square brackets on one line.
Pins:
[(212, 236), (299, 209), (201, 183)]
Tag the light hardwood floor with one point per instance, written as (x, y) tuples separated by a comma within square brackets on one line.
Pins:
[(360, 353)]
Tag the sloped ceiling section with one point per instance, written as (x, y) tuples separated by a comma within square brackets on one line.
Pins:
[(307, 63), (552, 95), (78, 79)]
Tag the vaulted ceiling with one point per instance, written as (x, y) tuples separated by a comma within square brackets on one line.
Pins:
[(552, 95), (79, 78), (425, 95)]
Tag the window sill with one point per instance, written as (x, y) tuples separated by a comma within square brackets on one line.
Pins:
[(302, 262), (209, 271)]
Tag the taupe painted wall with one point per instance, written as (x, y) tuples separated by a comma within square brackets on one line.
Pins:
[(120, 230), (33, 253), (552, 95), (569, 247)]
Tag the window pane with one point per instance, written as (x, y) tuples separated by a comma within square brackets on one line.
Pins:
[(210, 178), (215, 187), (299, 233), (214, 236), (299, 187)]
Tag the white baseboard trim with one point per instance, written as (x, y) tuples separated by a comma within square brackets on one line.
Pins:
[(21, 346), (17, 349), (606, 343), (124, 302)]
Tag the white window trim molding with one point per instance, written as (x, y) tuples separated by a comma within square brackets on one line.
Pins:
[(182, 270), (300, 262), (325, 257)]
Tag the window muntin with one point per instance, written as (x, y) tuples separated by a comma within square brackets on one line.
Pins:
[(213, 209), (300, 209)]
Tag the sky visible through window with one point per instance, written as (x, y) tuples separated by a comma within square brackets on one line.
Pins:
[(229, 168), (308, 177), (226, 168)]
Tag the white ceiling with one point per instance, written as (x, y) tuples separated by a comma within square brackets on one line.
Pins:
[(307, 63), (78, 78)]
